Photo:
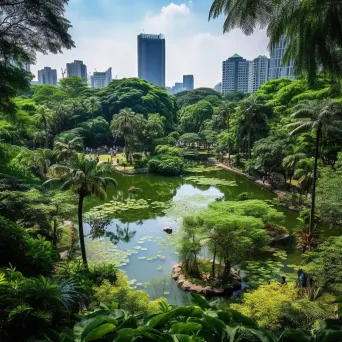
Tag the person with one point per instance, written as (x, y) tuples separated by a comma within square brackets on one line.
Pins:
[(263, 179), (283, 280), (302, 279)]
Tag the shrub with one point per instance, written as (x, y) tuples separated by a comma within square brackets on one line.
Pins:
[(168, 165), (140, 163), (134, 301), (30, 256)]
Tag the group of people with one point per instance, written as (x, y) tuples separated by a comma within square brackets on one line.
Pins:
[(303, 280)]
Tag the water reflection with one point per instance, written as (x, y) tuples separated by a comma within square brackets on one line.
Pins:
[(98, 229)]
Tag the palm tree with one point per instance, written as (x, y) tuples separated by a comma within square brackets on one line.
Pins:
[(305, 173), (124, 124), (93, 104), (39, 161), (251, 108), (85, 178), (319, 116), (311, 28), (67, 146), (290, 162), (43, 117), (226, 111)]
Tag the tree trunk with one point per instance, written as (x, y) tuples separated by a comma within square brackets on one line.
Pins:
[(226, 271), (126, 150), (313, 196), (54, 237), (80, 229), (46, 136), (249, 144), (213, 265)]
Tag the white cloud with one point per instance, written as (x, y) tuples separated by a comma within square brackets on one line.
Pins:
[(191, 47)]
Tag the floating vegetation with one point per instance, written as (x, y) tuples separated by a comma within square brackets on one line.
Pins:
[(159, 268), (202, 169), (201, 180), (111, 208), (260, 272), (103, 251), (141, 258)]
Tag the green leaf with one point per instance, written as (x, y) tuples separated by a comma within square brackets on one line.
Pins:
[(99, 332), (184, 328), (200, 301), (292, 335)]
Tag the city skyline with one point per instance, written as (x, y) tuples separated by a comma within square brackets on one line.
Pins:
[(103, 38)]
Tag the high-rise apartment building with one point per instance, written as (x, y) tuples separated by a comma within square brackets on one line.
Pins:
[(235, 74), (47, 76), (277, 70), (188, 82), (177, 88), (77, 68), (258, 73), (151, 58), (101, 79), (218, 87)]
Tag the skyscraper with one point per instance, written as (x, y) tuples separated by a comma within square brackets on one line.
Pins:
[(188, 82), (101, 79), (77, 68), (235, 74), (277, 70), (151, 58), (258, 73), (47, 76), (218, 87)]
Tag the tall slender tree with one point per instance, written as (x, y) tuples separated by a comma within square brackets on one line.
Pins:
[(43, 117), (320, 116), (85, 178), (124, 124), (93, 104)]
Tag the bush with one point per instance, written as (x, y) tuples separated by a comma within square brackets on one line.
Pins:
[(168, 165), (134, 301), (140, 163), (30, 256)]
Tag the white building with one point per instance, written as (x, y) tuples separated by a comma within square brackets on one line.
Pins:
[(218, 87), (235, 74), (258, 73), (47, 76), (101, 79), (277, 70)]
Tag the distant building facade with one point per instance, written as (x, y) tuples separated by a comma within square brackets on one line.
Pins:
[(177, 88), (151, 58), (101, 79), (235, 74), (47, 76), (218, 87), (188, 82), (77, 68), (258, 73), (276, 69)]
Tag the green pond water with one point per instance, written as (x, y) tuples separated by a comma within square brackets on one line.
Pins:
[(127, 228)]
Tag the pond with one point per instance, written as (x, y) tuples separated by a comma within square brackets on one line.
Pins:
[(128, 226)]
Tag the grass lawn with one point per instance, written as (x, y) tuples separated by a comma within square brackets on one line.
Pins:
[(120, 156)]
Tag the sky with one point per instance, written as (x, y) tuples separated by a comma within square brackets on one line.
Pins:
[(105, 33)]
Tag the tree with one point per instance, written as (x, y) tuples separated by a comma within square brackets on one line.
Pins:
[(310, 28), (93, 104), (73, 86), (85, 178), (43, 117), (252, 110), (125, 125), (226, 110), (26, 27), (305, 173), (321, 116), (66, 146), (190, 138), (38, 161), (290, 162)]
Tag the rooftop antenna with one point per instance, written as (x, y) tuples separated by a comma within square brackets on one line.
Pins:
[(63, 72)]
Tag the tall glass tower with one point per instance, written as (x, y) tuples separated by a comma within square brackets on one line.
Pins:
[(151, 58), (277, 70)]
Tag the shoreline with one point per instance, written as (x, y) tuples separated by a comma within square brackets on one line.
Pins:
[(279, 193)]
